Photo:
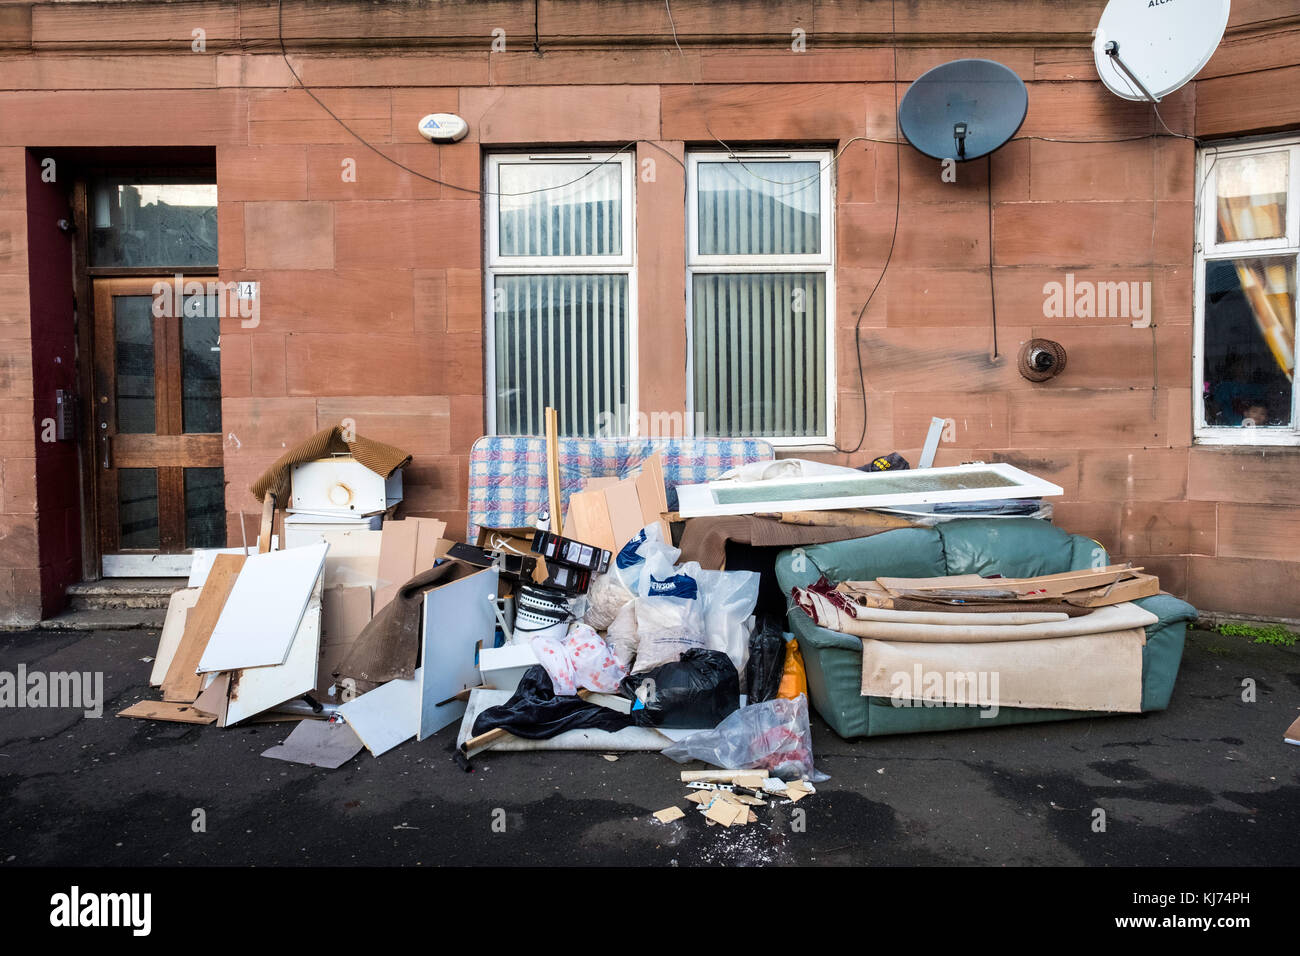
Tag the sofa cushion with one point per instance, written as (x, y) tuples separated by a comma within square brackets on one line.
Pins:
[(1013, 549), (906, 552)]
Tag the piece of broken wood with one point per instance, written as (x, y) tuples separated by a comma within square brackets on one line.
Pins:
[(180, 713)]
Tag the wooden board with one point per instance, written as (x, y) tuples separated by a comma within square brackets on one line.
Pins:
[(386, 716), (458, 619), (178, 609), (214, 700), (183, 682), (553, 469), (265, 607), (256, 689), (353, 559), (589, 520), (406, 548), (167, 710)]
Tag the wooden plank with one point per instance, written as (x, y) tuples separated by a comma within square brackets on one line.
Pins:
[(178, 608), (167, 710), (652, 494), (186, 451), (397, 550), (183, 682), (589, 520), (553, 468), (624, 506), (215, 698), (268, 523)]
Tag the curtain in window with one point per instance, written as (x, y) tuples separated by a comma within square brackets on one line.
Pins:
[(759, 342), (561, 209), (759, 208), (1252, 195), (562, 340)]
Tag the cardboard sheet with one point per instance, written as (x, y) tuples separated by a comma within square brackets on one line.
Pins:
[(406, 548), (609, 514), (318, 743)]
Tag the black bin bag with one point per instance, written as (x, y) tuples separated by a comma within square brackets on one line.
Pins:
[(766, 660), (535, 711), (694, 692)]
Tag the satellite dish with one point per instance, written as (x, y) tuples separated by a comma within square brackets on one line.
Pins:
[(1147, 49), (963, 110)]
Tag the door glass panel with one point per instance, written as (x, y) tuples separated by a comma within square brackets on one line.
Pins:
[(137, 508), (134, 363), (163, 222), (200, 366), (205, 508)]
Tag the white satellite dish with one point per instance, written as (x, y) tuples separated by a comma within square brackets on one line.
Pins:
[(1147, 49)]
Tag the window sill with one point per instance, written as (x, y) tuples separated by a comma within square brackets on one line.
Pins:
[(1257, 437)]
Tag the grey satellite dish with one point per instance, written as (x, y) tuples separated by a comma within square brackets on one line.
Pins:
[(963, 110), (1144, 51)]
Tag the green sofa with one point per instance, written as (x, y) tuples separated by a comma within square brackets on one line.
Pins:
[(1012, 547)]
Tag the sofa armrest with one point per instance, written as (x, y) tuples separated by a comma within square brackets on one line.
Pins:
[(811, 636), (1169, 610)]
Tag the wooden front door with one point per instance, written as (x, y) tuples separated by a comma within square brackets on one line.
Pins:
[(157, 424)]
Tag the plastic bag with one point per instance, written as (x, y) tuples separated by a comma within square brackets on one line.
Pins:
[(669, 613), (774, 736), (729, 599), (611, 591), (794, 679), (621, 634), (535, 712), (581, 660), (767, 651), (697, 691)]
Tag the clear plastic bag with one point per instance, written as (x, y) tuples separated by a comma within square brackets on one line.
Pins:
[(622, 634), (729, 599), (611, 591), (669, 613), (774, 736), (581, 660)]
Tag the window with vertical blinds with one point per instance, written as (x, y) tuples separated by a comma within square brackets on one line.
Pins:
[(560, 320), (759, 259)]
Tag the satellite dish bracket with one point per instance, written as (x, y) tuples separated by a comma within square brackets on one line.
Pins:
[(1112, 50)]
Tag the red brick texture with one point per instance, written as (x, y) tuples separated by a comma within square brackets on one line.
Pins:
[(371, 275)]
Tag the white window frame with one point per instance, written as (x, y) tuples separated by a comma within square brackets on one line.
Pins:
[(823, 261), (496, 264), (1209, 249)]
